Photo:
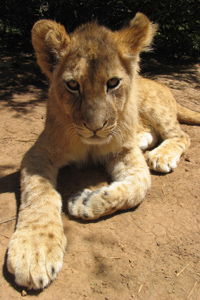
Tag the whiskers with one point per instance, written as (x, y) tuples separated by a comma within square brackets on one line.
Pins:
[(117, 133), (112, 132), (83, 132), (71, 132)]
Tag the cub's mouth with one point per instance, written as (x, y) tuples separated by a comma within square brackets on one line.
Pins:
[(95, 139)]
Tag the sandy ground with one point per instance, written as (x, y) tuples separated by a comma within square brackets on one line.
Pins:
[(149, 253)]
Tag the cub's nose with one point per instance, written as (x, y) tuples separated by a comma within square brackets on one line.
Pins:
[(93, 128)]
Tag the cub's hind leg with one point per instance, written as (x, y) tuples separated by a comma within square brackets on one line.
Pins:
[(166, 156), (158, 108), (147, 138)]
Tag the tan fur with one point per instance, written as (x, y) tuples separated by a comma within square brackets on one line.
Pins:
[(98, 109)]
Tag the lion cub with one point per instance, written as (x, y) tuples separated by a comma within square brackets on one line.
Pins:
[(98, 108)]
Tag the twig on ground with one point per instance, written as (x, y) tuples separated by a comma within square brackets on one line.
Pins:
[(182, 270), (140, 288), (26, 141), (8, 220), (192, 290), (4, 236)]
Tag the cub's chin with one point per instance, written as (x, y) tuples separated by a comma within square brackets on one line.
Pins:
[(96, 140)]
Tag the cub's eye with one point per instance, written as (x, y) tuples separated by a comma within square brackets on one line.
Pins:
[(72, 86), (113, 83)]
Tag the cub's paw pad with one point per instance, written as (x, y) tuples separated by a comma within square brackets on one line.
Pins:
[(88, 204), (80, 196)]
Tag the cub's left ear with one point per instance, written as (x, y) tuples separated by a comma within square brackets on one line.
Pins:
[(137, 36)]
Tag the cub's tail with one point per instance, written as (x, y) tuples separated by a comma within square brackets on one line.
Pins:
[(187, 116)]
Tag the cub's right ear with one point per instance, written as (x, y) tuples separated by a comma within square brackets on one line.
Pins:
[(49, 40)]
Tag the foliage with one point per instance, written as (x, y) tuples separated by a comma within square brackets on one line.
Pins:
[(179, 24)]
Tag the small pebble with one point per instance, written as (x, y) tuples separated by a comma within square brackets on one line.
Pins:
[(24, 293), (187, 158)]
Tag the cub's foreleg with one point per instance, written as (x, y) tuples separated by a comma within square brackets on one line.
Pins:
[(36, 249), (131, 180)]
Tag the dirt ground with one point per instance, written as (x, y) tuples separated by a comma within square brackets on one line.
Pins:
[(148, 253)]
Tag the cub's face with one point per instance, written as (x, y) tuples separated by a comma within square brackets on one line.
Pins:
[(91, 73), (92, 84)]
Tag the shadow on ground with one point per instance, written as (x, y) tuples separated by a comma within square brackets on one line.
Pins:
[(20, 75), (186, 70)]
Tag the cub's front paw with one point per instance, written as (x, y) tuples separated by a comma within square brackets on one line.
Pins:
[(90, 205), (35, 255)]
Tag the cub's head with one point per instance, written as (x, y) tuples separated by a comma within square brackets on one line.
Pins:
[(91, 73)]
